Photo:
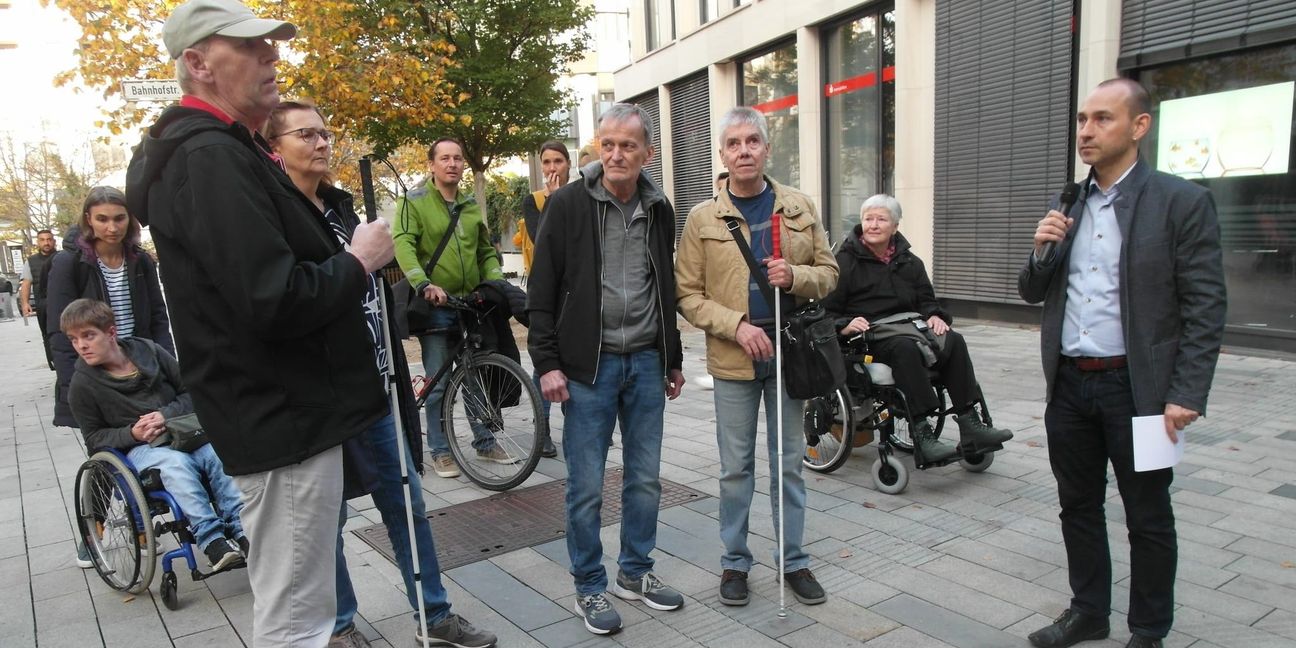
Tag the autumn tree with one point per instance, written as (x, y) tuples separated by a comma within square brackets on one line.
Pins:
[(40, 188)]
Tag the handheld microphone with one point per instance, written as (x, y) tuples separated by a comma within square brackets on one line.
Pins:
[(367, 189), (1069, 195)]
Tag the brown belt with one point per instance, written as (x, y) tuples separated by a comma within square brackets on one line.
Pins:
[(1097, 364)]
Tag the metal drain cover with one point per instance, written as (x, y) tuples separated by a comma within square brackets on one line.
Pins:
[(472, 531)]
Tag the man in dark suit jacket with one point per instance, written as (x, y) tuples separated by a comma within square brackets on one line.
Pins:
[(1133, 316)]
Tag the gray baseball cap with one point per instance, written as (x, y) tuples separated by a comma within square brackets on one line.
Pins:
[(195, 20)]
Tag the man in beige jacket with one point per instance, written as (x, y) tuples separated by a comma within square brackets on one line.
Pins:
[(718, 294)]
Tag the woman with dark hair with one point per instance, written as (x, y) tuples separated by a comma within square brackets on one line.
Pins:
[(102, 260), (298, 135), (555, 165)]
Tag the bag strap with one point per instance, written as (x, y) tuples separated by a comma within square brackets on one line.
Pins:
[(445, 240), (735, 228)]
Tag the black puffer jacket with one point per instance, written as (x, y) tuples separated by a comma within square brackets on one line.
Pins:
[(73, 275), (868, 288), (265, 303)]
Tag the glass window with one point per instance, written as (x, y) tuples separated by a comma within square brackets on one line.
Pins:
[(1226, 123), (660, 15), (709, 10), (859, 116), (769, 84)]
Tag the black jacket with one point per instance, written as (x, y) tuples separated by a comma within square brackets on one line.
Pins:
[(107, 408), (264, 301), (868, 288), (74, 275), (1172, 290), (564, 292)]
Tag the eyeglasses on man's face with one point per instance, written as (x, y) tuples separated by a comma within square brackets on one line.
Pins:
[(308, 134)]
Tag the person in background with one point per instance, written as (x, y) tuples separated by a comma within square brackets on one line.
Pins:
[(33, 286), (298, 135), (422, 219), (1132, 281), (555, 165), (103, 260)]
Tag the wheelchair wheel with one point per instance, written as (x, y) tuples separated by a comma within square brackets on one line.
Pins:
[(492, 396), (978, 462), (829, 430), (170, 595), (113, 520), (890, 476)]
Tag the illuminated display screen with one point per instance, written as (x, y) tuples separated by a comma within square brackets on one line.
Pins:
[(1227, 134)]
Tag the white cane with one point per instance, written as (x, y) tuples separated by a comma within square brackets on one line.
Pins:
[(778, 414), (371, 213)]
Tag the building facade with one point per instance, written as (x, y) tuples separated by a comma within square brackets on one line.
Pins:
[(963, 109)]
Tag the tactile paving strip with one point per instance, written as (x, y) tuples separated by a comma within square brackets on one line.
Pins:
[(472, 531)]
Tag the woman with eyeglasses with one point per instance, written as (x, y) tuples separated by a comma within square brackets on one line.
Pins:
[(102, 259), (298, 135)]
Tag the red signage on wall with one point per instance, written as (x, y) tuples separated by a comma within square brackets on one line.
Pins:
[(776, 105), (858, 82)]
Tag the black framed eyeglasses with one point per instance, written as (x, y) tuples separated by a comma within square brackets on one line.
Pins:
[(308, 134)]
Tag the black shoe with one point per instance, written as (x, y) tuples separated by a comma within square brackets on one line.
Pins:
[(547, 449), (222, 554), (243, 545), (928, 446), (733, 587), (804, 587), (1140, 641), (1069, 629), (974, 432)]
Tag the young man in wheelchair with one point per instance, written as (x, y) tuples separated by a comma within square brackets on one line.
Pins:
[(122, 394), (880, 277)]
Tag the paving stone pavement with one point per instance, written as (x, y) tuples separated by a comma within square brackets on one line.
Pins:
[(959, 559)]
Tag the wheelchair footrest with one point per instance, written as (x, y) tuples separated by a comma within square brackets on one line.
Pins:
[(973, 449)]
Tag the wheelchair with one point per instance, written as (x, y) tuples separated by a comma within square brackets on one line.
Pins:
[(869, 405), (121, 514)]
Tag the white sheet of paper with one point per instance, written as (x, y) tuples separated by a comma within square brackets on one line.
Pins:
[(1152, 448)]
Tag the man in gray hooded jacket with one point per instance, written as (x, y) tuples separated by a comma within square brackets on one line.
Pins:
[(605, 343)]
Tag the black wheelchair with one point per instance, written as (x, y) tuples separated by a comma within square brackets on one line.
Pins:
[(869, 405), (121, 513)]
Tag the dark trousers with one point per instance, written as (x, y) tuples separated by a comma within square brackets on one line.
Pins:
[(1088, 423), (39, 309), (953, 364)]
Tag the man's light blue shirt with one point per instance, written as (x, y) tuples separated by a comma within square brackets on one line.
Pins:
[(1092, 324)]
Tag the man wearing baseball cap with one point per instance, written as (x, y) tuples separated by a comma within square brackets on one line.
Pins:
[(265, 309)]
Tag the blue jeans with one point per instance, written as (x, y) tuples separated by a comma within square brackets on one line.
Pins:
[(737, 404), (183, 473), (380, 439), (630, 389), (436, 349)]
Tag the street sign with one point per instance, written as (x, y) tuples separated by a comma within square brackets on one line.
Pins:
[(151, 90)]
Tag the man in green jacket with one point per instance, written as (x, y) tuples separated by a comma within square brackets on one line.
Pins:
[(422, 219)]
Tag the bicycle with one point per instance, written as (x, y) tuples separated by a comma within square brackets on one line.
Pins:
[(489, 398)]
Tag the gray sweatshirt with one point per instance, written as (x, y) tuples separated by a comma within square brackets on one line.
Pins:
[(107, 407), (630, 322)]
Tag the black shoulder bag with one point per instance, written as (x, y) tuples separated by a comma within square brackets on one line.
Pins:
[(418, 312), (812, 358)]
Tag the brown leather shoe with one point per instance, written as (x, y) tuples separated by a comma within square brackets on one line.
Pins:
[(1069, 629)]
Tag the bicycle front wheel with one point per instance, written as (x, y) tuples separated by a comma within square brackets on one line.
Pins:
[(493, 421)]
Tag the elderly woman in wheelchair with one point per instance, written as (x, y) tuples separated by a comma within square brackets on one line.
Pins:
[(885, 296), (135, 414)]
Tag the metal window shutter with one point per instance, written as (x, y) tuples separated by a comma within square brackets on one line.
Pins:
[(1003, 119), (690, 108), (649, 102), (1161, 31)]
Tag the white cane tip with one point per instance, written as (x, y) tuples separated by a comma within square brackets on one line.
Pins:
[(782, 614)]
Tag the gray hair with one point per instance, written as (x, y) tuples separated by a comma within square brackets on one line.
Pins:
[(742, 116), (182, 71), (620, 112), (883, 201)]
